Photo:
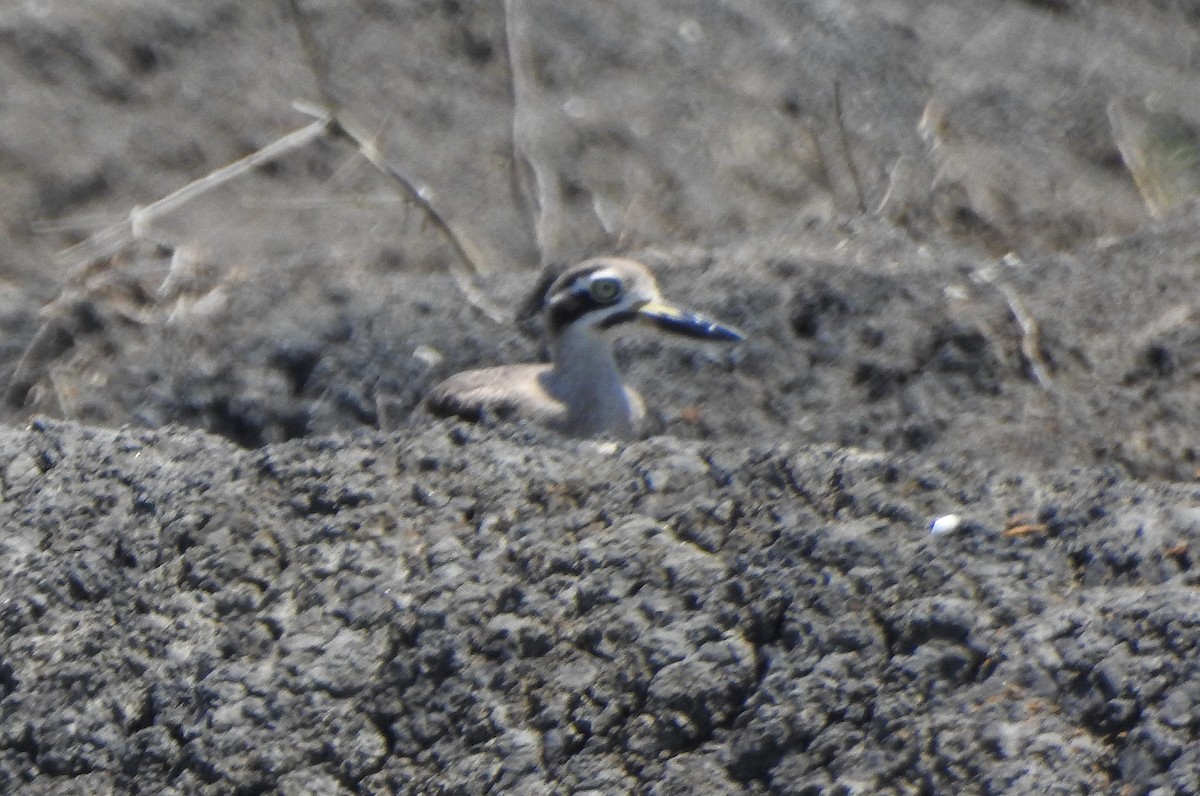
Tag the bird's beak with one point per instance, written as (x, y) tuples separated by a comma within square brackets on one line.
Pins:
[(678, 320)]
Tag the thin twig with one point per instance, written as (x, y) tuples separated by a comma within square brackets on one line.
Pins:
[(112, 240), (140, 218), (466, 268), (822, 161), (522, 178), (1031, 348), (313, 53), (99, 250), (536, 177), (844, 139), (86, 258), (1030, 336), (48, 340)]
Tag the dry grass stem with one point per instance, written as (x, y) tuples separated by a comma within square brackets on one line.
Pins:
[(466, 268), (1030, 529), (111, 241), (536, 179), (839, 115), (1030, 340), (1030, 337)]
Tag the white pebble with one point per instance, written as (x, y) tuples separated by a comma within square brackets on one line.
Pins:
[(945, 524), (429, 355)]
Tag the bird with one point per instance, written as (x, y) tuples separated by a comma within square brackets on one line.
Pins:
[(580, 392)]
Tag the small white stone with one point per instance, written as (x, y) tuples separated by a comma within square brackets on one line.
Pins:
[(956, 292), (602, 448), (691, 32), (429, 355), (945, 524)]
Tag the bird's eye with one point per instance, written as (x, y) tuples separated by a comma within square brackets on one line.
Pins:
[(605, 289)]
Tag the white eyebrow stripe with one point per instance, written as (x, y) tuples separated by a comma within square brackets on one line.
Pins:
[(604, 273)]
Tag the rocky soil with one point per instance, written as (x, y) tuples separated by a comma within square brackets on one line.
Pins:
[(239, 557)]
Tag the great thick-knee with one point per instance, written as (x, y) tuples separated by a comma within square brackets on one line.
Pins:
[(580, 392)]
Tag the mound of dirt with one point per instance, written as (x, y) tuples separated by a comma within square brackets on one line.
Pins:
[(481, 611)]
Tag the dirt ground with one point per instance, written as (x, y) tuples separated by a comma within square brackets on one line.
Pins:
[(239, 557)]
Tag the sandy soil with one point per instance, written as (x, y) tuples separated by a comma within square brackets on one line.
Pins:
[(239, 557)]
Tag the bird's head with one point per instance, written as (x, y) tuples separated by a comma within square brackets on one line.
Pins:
[(608, 293)]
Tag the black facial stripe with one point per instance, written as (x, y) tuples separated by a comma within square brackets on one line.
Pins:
[(618, 318), (569, 305), (570, 308), (582, 272)]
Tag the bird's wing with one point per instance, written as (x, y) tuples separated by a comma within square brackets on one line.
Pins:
[(504, 393)]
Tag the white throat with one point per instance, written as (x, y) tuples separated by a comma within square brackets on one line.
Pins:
[(585, 377)]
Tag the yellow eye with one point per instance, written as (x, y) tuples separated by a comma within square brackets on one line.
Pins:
[(605, 289)]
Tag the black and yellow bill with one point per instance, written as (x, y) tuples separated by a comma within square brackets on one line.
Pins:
[(688, 323)]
